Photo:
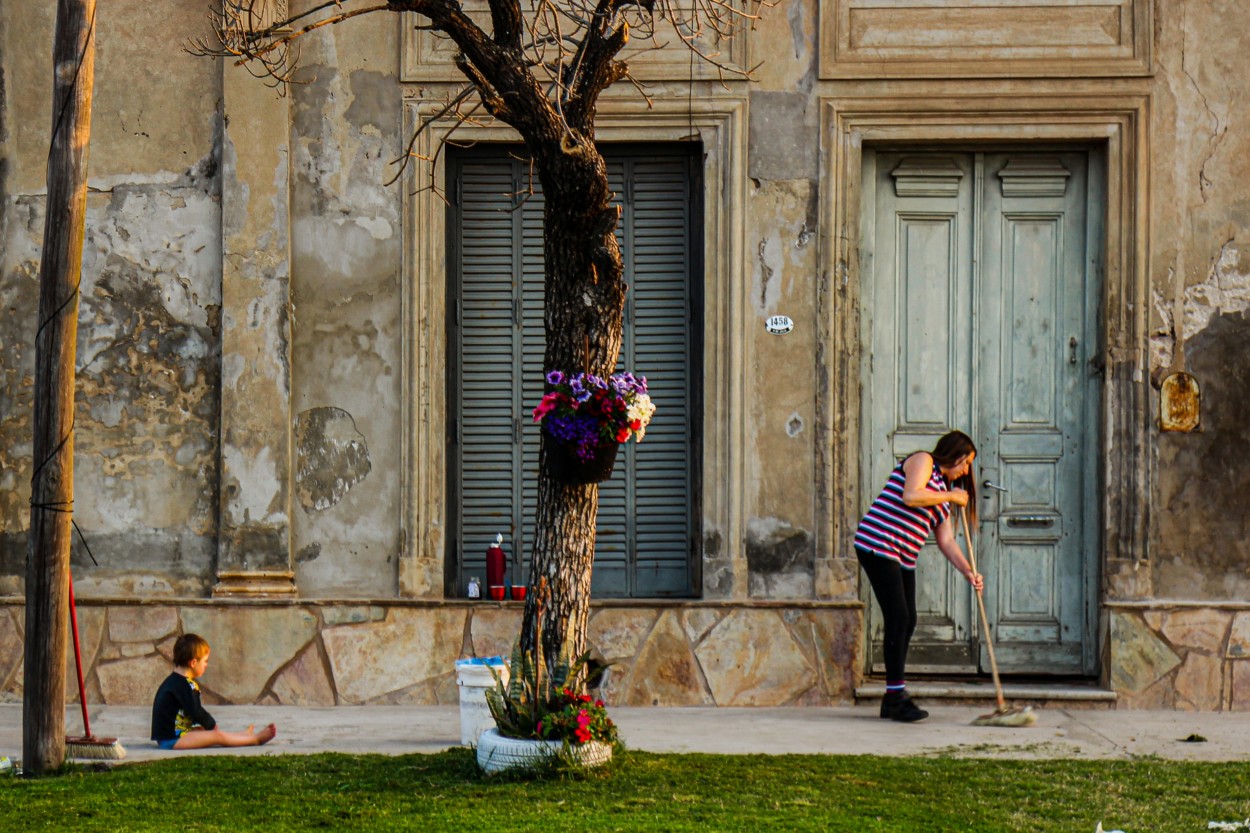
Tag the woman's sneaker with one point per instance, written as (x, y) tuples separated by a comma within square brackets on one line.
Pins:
[(896, 705)]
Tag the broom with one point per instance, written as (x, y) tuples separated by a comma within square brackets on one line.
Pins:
[(88, 746), (1002, 716)]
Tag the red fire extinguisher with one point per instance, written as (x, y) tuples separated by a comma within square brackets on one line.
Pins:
[(495, 563)]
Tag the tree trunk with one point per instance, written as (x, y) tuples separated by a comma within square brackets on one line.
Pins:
[(585, 300), (52, 485)]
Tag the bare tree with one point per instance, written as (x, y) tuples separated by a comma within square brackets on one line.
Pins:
[(56, 341), (540, 70)]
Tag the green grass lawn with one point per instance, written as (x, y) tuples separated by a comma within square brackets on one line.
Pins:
[(640, 792)]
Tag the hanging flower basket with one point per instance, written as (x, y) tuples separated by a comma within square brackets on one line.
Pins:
[(567, 467), (586, 418)]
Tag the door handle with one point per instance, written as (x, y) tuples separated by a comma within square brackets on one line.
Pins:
[(1030, 520), (989, 484)]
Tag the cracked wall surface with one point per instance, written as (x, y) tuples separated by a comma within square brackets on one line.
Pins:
[(247, 409), (346, 256), (1201, 295), (148, 377)]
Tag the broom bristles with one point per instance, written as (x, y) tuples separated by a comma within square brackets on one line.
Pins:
[(100, 749), (1013, 717)]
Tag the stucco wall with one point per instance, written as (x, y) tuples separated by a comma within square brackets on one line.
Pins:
[(320, 363), (346, 242), (148, 342), (1201, 279)]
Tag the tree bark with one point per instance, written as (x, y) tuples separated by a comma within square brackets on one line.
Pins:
[(52, 485), (585, 300)]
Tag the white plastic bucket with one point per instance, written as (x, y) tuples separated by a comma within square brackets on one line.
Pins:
[(473, 677)]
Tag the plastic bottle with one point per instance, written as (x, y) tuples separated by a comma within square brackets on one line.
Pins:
[(495, 563), (475, 588)]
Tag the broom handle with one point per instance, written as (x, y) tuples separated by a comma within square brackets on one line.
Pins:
[(985, 623), (82, 692)]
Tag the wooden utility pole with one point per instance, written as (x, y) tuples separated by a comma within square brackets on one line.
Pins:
[(52, 485)]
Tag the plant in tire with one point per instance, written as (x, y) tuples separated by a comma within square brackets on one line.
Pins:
[(538, 704), (578, 719)]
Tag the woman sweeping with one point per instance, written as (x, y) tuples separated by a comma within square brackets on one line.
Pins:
[(916, 500)]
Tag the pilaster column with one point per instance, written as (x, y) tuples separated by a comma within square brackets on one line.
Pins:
[(254, 549)]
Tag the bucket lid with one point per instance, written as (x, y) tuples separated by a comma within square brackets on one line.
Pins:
[(471, 661)]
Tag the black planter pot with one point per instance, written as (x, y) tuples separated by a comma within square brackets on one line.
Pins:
[(565, 466)]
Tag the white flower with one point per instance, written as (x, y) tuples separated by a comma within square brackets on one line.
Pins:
[(641, 410)]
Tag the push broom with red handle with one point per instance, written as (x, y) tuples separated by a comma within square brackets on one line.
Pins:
[(88, 746)]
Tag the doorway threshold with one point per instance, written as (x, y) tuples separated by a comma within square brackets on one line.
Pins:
[(975, 691)]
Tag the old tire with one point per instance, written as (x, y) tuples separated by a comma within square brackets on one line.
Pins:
[(496, 753)]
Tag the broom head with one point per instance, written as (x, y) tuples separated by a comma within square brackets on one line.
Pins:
[(1013, 717), (99, 749)]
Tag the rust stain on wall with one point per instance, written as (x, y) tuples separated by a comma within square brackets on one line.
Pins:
[(1179, 403)]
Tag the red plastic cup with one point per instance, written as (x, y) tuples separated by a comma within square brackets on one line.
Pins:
[(518, 592), (497, 591)]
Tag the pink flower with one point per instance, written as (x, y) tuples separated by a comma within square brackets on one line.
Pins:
[(546, 406), (583, 719)]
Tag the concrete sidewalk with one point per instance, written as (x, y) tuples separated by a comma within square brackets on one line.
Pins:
[(848, 730)]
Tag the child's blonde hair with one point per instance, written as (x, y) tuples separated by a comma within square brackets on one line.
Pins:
[(189, 647)]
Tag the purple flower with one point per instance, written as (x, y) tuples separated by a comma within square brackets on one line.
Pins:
[(555, 377)]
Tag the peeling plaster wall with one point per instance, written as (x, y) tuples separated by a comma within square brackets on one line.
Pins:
[(148, 356), (1201, 291), (783, 209), (346, 256), (152, 380)]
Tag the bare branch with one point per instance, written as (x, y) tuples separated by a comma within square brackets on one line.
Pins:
[(452, 105)]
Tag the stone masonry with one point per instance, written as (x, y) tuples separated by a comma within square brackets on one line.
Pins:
[(316, 654)]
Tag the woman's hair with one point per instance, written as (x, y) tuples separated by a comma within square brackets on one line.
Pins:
[(189, 647), (949, 450)]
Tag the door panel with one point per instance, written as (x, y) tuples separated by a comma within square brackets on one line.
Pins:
[(976, 302), (913, 378), (1031, 407)]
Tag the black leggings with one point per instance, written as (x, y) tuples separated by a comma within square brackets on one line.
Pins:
[(895, 589)]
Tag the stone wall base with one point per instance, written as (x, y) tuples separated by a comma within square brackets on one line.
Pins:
[(303, 653), (1180, 656)]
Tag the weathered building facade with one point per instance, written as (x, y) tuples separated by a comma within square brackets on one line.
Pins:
[(1022, 220)]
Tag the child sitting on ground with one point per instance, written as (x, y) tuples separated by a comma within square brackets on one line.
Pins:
[(178, 719)]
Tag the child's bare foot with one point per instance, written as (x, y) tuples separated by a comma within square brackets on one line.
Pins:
[(266, 734)]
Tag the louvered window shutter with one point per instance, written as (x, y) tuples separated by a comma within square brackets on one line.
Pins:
[(645, 541)]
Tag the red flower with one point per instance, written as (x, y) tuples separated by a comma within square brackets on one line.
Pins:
[(583, 736), (622, 435), (599, 703)]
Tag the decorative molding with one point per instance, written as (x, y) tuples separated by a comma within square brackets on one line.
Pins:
[(255, 584), (1034, 178), (720, 122), (1118, 125), (925, 177), (268, 12), (985, 38), (426, 56)]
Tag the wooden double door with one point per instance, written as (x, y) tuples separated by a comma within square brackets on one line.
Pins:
[(981, 278)]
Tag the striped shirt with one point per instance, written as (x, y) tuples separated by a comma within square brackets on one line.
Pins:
[(895, 530)]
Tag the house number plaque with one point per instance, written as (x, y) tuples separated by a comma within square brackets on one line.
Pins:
[(778, 325)]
